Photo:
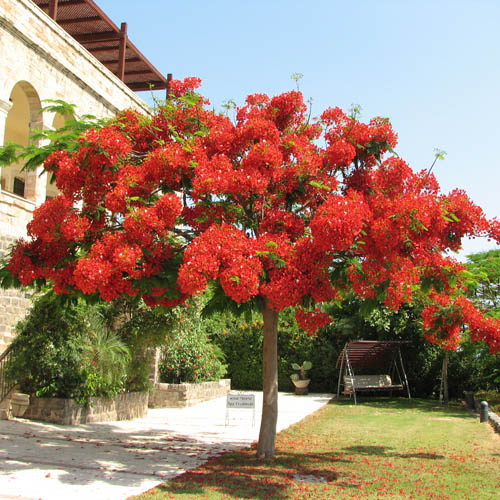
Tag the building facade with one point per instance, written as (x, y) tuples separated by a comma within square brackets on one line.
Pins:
[(41, 61)]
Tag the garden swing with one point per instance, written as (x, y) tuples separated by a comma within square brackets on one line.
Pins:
[(381, 358)]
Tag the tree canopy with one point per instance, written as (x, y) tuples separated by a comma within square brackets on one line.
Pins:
[(484, 286), (272, 210)]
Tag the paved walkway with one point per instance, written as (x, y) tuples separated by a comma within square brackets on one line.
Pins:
[(116, 460)]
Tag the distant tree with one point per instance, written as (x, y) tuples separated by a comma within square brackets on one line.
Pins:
[(272, 211), (484, 283), (483, 288)]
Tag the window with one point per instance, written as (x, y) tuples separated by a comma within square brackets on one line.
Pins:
[(18, 187)]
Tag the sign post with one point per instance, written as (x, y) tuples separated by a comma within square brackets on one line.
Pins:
[(240, 402)]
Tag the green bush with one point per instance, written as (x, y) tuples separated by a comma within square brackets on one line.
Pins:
[(240, 338), (142, 329), (295, 346), (62, 350), (105, 359), (241, 344), (47, 356), (241, 341), (191, 358), (492, 397)]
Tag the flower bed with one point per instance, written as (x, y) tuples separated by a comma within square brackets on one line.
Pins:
[(67, 412), (182, 395)]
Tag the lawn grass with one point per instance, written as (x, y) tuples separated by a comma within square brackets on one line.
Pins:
[(381, 448)]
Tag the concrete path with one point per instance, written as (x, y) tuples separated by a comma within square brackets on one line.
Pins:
[(116, 460)]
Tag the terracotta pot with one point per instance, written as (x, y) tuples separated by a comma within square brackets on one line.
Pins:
[(301, 386), (19, 403)]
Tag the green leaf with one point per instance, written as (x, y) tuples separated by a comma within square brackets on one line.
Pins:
[(60, 106), (271, 244), (279, 261), (236, 279), (8, 154), (262, 253), (367, 307), (319, 185), (219, 302)]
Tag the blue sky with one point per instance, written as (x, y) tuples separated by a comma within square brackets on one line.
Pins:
[(432, 67)]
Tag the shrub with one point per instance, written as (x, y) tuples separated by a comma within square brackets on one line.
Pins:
[(47, 354), (241, 342), (63, 350), (492, 397), (104, 359), (240, 338), (191, 358), (142, 329)]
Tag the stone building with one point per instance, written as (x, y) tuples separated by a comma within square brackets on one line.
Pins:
[(56, 49)]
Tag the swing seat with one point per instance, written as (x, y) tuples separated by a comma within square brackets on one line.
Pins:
[(369, 383)]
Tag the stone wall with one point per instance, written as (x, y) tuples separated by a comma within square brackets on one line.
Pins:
[(13, 304), (183, 395), (67, 412), (15, 214)]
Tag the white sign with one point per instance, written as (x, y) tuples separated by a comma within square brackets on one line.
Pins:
[(240, 401)]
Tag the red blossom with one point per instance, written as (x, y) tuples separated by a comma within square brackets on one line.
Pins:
[(312, 321)]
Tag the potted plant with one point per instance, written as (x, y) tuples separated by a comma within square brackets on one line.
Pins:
[(300, 380), (19, 404)]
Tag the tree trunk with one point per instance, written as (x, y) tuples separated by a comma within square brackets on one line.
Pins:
[(444, 396), (267, 434)]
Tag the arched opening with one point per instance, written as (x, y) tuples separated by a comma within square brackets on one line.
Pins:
[(23, 116)]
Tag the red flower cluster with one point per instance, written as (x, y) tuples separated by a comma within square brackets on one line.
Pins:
[(444, 318), (312, 321), (57, 220), (225, 253)]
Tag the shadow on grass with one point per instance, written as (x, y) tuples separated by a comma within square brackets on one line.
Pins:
[(453, 409), (242, 475), (384, 451)]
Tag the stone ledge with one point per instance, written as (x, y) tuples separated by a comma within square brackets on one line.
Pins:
[(184, 395), (494, 420), (67, 412)]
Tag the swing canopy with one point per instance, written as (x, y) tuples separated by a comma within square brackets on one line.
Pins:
[(371, 355), (380, 358)]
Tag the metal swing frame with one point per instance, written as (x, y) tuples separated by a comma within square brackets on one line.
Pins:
[(376, 355)]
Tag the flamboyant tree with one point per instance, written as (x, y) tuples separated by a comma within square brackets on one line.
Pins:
[(273, 210)]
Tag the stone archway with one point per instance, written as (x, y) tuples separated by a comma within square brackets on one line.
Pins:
[(23, 117)]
